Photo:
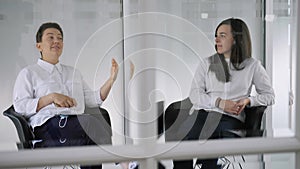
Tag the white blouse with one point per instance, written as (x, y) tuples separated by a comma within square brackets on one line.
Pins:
[(43, 78), (205, 88)]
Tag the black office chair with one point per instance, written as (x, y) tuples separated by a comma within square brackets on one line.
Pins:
[(178, 111), (23, 129), (174, 116), (25, 132), (177, 114), (254, 117)]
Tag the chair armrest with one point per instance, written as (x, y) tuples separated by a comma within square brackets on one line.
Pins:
[(253, 120)]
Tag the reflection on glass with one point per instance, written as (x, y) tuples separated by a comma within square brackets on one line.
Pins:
[(157, 42), (284, 44), (163, 48), (25, 52)]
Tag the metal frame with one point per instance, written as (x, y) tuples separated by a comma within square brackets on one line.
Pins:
[(144, 153)]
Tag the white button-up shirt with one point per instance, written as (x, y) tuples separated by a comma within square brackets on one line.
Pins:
[(43, 78), (205, 88)]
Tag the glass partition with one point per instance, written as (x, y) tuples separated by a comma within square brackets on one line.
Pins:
[(91, 29), (283, 64), (173, 37), (158, 45)]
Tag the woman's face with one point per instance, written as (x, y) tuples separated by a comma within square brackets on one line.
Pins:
[(51, 45), (224, 40)]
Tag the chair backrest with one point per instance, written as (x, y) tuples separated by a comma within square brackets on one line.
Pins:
[(24, 131), (174, 116), (172, 112)]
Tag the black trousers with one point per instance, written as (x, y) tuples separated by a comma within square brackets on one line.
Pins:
[(210, 125), (74, 130)]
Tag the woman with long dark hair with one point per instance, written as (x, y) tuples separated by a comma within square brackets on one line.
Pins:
[(222, 86)]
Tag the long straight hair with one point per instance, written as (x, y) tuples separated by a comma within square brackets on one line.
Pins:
[(241, 50)]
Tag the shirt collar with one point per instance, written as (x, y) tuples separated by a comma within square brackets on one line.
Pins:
[(49, 67)]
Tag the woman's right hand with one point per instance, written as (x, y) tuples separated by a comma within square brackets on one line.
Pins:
[(61, 100), (230, 106)]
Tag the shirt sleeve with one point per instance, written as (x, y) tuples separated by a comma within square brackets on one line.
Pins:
[(91, 97), (265, 94), (198, 95), (24, 100)]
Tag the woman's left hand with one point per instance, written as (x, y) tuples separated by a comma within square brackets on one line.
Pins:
[(241, 104)]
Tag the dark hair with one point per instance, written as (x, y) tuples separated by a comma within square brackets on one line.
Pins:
[(45, 26), (241, 49)]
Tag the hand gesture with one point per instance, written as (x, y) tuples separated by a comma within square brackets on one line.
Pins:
[(234, 107), (114, 70), (230, 106)]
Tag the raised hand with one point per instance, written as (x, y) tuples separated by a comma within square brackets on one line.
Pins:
[(106, 87), (114, 70)]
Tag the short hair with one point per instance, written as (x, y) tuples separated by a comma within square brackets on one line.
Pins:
[(45, 26)]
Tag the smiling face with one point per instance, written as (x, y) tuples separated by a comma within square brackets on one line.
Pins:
[(51, 45), (224, 40)]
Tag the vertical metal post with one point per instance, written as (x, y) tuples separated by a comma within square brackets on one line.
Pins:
[(141, 107), (268, 18), (297, 96), (148, 163)]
